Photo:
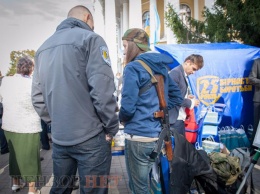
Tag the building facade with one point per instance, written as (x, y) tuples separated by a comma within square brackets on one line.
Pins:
[(114, 17)]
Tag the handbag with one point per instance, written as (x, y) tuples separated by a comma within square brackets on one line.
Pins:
[(243, 139), (233, 139), (211, 117), (209, 145), (223, 136), (229, 137), (191, 126)]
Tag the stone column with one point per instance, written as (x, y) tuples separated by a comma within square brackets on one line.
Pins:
[(135, 14), (120, 42), (153, 7), (196, 9), (169, 33), (110, 32), (125, 16), (99, 25)]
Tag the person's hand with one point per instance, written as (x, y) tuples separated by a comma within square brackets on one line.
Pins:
[(109, 138), (197, 102), (190, 96), (117, 108)]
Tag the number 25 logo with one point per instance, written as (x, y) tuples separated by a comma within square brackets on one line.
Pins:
[(208, 89)]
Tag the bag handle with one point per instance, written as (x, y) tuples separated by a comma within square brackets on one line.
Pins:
[(241, 130), (197, 146), (153, 79), (250, 126), (210, 138)]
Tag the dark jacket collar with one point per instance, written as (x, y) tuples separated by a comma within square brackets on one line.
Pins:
[(72, 23), (183, 74)]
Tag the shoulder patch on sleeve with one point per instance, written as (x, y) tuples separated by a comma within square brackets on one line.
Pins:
[(105, 55)]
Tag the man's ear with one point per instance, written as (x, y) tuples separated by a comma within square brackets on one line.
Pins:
[(188, 61), (86, 17)]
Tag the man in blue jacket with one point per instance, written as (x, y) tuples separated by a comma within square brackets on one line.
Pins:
[(138, 104), (73, 86)]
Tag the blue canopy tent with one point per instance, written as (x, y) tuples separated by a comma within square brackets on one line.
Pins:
[(223, 79)]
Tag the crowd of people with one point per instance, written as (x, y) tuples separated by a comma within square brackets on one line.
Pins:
[(71, 95)]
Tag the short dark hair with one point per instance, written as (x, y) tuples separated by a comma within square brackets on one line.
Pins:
[(24, 66), (79, 9), (197, 59)]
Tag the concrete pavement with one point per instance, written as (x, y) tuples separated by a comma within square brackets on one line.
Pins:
[(118, 169)]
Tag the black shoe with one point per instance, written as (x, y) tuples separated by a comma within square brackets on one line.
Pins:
[(4, 151), (41, 158), (46, 148)]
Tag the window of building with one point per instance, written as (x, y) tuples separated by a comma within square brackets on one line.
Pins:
[(185, 13), (146, 15)]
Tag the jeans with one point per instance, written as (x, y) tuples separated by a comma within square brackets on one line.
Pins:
[(139, 165), (92, 158), (178, 126)]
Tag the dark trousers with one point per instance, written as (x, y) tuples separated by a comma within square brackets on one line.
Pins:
[(4, 145), (92, 158), (179, 127), (256, 119), (44, 136)]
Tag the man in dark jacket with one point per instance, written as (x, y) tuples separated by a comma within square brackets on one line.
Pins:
[(73, 86), (187, 164), (254, 78), (138, 104), (180, 75)]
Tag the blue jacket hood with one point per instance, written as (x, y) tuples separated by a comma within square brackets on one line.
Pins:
[(156, 61)]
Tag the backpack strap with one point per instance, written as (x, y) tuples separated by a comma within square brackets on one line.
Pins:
[(145, 88), (153, 79)]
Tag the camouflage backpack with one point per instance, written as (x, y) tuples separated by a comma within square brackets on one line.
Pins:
[(226, 167)]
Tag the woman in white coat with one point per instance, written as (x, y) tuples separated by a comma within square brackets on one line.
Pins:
[(22, 127)]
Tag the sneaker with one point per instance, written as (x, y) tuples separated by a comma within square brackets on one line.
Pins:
[(16, 188), (36, 192)]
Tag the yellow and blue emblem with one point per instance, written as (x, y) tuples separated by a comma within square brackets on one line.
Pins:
[(105, 55)]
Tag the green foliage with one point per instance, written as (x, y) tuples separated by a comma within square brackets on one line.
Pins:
[(183, 33), (174, 23), (234, 20), (15, 56)]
